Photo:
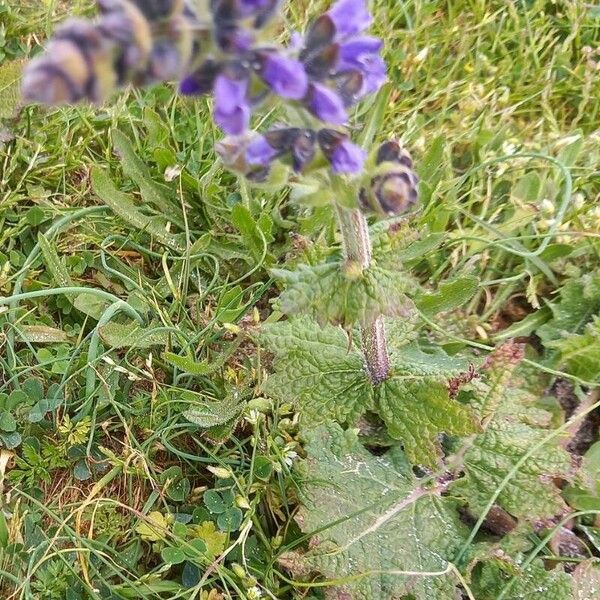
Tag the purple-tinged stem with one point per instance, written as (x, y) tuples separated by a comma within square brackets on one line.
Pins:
[(357, 254)]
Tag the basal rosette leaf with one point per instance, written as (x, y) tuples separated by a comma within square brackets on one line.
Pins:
[(375, 525), (316, 369), (416, 405), (513, 430), (329, 293)]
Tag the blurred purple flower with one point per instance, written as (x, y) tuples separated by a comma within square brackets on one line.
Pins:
[(344, 156), (362, 54), (260, 152), (326, 104), (343, 66), (350, 17), (347, 158), (232, 111), (285, 76)]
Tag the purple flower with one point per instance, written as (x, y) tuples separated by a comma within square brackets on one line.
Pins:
[(260, 152), (362, 54), (285, 76), (347, 158), (350, 17), (232, 112), (344, 156), (326, 104)]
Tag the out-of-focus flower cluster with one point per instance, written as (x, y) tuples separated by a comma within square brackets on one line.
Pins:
[(224, 48), (137, 42)]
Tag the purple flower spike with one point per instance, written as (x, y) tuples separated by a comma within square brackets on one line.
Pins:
[(347, 158), (232, 112), (285, 76), (350, 17), (326, 104), (260, 152)]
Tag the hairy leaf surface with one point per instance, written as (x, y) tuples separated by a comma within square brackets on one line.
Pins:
[(316, 369), (579, 303), (514, 428), (415, 404), (580, 354), (329, 294), (532, 582), (375, 524)]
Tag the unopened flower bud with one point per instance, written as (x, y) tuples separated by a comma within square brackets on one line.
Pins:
[(393, 184)]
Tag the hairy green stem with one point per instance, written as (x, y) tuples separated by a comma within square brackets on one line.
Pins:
[(358, 255)]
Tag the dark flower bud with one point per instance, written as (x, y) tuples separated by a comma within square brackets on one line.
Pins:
[(320, 34), (393, 186), (299, 142), (349, 86), (322, 63), (202, 80), (393, 151)]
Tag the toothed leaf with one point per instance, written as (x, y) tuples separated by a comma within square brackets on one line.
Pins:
[(579, 303), (316, 369), (416, 411), (580, 354), (375, 525), (330, 293), (514, 428), (532, 582)]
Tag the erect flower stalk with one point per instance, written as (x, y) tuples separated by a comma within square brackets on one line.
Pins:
[(357, 249)]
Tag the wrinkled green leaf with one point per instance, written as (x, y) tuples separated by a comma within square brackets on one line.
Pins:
[(416, 410), (316, 369), (374, 522), (580, 354), (533, 582), (514, 425), (330, 294), (578, 303)]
